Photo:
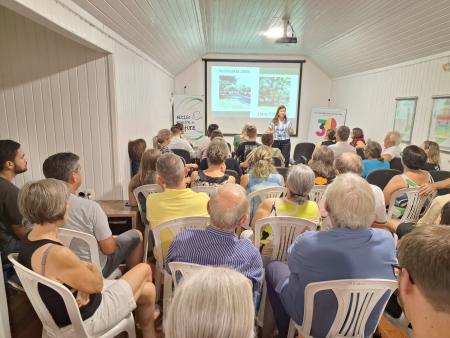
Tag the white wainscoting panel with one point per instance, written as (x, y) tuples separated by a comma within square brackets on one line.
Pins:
[(54, 97)]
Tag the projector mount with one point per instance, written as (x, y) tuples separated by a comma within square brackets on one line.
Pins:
[(285, 38)]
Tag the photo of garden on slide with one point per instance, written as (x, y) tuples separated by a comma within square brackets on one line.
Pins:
[(273, 91), (234, 92)]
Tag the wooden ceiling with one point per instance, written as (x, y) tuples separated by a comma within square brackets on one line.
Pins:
[(341, 36)]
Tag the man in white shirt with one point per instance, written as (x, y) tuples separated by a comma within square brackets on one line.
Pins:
[(352, 163), (391, 146), (87, 216), (342, 146), (177, 142)]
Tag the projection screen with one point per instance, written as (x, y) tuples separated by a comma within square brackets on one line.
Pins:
[(249, 91)]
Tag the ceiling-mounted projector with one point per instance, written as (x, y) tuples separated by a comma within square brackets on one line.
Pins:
[(286, 38)]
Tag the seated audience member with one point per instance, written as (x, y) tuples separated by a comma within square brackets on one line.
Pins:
[(438, 213), (87, 216), (201, 150), (321, 164), (246, 147), (267, 140), (230, 164), (342, 145), (413, 158), (176, 200), (12, 163), (218, 245), (358, 140), (177, 142), (237, 139), (433, 155), (391, 145), (300, 181), (213, 302), (216, 156), (350, 250), (262, 173), (162, 141), (135, 150), (330, 138), (145, 175), (352, 163), (180, 126), (45, 204), (215, 133), (424, 281), (373, 160)]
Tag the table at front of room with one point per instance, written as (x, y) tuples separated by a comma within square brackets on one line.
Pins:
[(121, 217)]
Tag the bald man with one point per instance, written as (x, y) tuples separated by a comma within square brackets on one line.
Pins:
[(218, 245)]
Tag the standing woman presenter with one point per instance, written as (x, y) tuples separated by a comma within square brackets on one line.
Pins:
[(281, 129)]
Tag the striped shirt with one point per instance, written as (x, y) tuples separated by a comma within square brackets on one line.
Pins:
[(281, 130), (214, 247)]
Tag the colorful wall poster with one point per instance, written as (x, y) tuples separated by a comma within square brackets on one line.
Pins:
[(439, 130), (323, 119), (405, 111)]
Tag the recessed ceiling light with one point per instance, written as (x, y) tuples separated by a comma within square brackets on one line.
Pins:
[(274, 32)]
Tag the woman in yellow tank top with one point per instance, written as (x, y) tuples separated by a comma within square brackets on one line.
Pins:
[(300, 181)]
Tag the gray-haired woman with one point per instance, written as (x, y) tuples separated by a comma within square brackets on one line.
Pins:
[(45, 203), (300, 181)]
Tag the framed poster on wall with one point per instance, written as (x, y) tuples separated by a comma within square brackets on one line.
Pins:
[(405, 111), (439, 130)]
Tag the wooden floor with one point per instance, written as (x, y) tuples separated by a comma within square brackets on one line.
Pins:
[(26, 324)]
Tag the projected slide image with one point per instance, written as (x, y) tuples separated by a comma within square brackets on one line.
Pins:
[(273, 91), (234, 92), (250, 92)]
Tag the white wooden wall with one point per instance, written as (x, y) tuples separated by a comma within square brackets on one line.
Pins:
[(370, 97), (54, 97), (140, 88)]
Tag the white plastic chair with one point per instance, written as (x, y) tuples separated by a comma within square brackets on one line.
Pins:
[(184, 269), (351, 316), (67, 235), (30, 281), (285, 230), (145, 190), (255, 198), (400, 323), (174, 227), (5, 330), (414, 207), (317, 192), (208, 189)]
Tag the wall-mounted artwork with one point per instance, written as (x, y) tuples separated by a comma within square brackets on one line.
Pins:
[(439, 130), (405, 110)]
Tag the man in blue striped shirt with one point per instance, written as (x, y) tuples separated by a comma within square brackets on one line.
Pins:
[(218, 245)]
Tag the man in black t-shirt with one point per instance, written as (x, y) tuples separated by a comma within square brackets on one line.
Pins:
[(246, 147), (12, 163)]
